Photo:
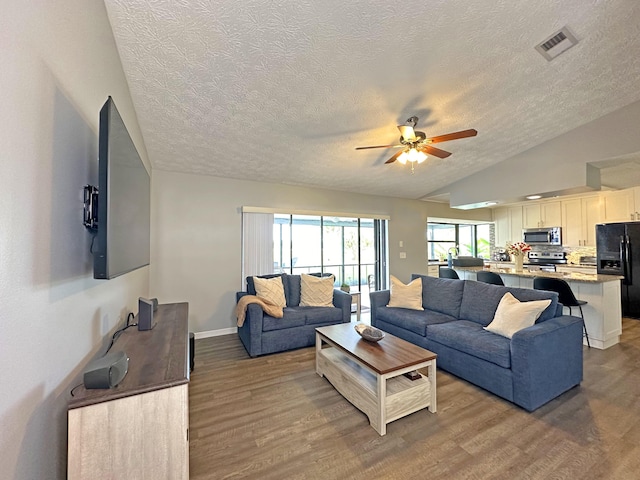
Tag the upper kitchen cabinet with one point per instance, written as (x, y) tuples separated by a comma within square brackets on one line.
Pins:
[(542, 214), (508, 221), (579, 219), (619, 206)]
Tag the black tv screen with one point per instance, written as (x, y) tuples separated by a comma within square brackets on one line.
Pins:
[(122, 243)]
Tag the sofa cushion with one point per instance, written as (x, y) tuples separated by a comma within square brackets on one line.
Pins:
[(406, 296), (441, 294), (480, 301), (413, 320), (293, 317), (469, 337), (251, 288), (271, 290), (315, 315), (293, 290), (513, 315), (316, 291)]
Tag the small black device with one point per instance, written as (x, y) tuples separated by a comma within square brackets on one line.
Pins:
[(145, 313), (413, 375), (107, 371)]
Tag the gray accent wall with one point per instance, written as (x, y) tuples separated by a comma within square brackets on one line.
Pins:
[(58, 65)]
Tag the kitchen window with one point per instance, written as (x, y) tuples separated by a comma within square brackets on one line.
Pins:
[(470, 240)]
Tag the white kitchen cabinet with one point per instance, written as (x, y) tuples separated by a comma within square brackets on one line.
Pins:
[(579, 218), (502, 228), (515, 218), (508, 223), (618, 206), (591, 216), (542, 214)]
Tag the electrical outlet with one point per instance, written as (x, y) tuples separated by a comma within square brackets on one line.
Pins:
[(403, 254)]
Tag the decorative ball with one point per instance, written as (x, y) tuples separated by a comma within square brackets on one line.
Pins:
[(372, 334)]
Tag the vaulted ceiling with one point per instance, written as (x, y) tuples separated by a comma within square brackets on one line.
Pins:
[(282, 91)]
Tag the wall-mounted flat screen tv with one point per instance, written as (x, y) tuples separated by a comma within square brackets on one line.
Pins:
[(122, 243)]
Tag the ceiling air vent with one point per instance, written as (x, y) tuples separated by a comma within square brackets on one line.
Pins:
[(556, 44)]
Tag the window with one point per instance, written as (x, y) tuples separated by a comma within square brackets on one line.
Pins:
[(354, 250), (469, 240)]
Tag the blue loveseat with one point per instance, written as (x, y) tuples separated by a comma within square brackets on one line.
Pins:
[(533, 367), (261, 334)]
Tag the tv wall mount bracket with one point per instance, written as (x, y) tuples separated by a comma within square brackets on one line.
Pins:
[(91, 207)]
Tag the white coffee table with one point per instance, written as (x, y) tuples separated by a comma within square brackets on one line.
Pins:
[(371, 375)]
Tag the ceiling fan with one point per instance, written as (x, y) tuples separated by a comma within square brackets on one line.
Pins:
[(416, 145)]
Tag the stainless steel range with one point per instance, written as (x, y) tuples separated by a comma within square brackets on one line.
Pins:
[(547, 261)]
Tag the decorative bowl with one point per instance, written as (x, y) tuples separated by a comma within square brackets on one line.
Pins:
[(369, 333)]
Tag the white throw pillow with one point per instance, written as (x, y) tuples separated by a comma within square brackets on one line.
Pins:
[(316, 291), (513, 315), (270, 290), (406, 296)]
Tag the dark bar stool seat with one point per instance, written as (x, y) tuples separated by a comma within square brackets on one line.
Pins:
[(565, 296), (446, 272), (489, 277)]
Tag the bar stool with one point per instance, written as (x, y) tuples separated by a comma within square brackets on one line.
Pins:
[(489, 277), (565, 296), (446, 272)]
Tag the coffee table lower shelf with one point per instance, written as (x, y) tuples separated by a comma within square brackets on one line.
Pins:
[(382, 397)]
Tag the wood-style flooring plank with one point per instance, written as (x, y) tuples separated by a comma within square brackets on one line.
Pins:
[(273, 417)]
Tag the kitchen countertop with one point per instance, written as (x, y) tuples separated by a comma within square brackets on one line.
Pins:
[(569, 276)]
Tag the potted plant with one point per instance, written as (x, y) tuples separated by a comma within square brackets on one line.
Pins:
[(345, 287)]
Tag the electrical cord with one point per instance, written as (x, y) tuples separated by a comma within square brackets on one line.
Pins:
[(93, 239), (116, 334)]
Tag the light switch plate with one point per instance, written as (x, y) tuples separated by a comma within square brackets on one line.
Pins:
[(401, 244), (403, 254)]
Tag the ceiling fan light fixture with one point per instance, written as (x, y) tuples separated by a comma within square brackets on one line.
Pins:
[(415, 155), (404, 156)]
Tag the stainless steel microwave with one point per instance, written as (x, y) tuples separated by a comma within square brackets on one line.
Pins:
[(542, 236)]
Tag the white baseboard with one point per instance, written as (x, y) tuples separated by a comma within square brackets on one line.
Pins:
[(216, 333)]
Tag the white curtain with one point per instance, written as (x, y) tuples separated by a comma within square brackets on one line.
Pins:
[(257, 244)]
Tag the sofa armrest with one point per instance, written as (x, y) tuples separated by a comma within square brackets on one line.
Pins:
[(378, 299), (342, 300), (546, 360), (239, 295), (251, 331)]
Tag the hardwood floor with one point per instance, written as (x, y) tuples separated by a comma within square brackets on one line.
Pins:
[(273, 417)]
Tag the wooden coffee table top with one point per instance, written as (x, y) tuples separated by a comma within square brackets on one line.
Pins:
[(389, 354)]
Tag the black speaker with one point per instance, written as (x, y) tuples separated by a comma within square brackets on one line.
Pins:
[(145, 314), (107, 371), (192, 351)]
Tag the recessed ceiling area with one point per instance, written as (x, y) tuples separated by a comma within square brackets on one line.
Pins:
[(281, 93)]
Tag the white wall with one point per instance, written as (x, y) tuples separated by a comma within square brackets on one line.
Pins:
[(558, 165), (58, 63), (196, 235)]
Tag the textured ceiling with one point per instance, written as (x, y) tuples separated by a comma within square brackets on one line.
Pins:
[(282, 91)]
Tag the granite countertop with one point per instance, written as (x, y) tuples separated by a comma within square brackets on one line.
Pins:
[(569, 276)]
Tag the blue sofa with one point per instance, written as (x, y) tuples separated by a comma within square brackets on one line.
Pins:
[(533, 367), (261, 334)]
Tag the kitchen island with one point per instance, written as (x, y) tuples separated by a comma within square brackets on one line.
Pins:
[(602, 313)]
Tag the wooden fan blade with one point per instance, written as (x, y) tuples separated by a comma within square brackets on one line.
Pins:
[(453, 136), (394, 158), (379, 146), (407, 132), (436, 152)]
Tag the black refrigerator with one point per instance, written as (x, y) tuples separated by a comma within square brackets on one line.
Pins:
[(618, 251)]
